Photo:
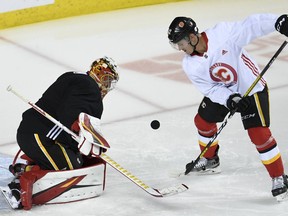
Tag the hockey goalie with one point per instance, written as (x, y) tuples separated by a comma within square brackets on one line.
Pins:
[(61, 138), (34, 186)]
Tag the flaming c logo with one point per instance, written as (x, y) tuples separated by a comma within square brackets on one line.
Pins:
[(221, 72)]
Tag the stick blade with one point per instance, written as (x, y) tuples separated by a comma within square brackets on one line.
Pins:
[(173, 190)]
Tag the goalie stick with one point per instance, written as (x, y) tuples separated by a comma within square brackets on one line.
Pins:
[(168, 191), (191, 165), (152, 191)]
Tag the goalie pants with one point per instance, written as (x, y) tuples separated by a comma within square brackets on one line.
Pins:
[(256, 121), (47, 153)]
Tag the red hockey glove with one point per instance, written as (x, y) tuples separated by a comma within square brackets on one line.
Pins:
[(235, 101), (281, 24)]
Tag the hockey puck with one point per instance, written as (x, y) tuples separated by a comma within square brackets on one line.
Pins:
[(155, 124)]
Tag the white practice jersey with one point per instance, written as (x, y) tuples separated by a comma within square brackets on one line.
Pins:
[(225, 67)]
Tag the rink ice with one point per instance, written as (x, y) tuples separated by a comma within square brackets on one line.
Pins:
[(151, 86)]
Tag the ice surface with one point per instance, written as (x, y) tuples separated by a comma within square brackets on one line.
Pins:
[(151, 86)]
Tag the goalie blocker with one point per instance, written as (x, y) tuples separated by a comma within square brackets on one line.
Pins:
[(91, 141)]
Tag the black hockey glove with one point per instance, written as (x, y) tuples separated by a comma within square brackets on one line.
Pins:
[(238, 103), (281, 24)]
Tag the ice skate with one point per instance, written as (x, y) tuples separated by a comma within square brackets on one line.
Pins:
[(207, 166), (279, 188), (17, 169), (12, 194)]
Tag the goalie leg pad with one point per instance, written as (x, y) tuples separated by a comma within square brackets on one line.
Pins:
[(39, 187), (71, 185)]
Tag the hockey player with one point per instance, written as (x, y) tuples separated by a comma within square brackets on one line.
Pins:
[(73, 93), (217, 64)]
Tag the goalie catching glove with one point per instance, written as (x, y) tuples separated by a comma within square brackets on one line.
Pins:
[(91, 141)]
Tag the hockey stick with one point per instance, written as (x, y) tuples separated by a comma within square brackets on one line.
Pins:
[(191, 165), (168, 191)]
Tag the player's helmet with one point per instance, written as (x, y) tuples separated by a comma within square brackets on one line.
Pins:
[(104, 72), (180, 27)]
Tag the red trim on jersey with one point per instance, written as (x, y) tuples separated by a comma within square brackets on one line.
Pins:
[(204, 36), (252, 67), (205, 40)]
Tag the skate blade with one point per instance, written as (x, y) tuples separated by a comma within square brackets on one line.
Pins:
[(282, 197), (176, 174), (211, 171)]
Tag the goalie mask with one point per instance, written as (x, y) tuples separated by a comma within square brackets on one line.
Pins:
[(104, 72)]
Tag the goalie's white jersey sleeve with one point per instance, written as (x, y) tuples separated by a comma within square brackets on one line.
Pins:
[(225, 67)]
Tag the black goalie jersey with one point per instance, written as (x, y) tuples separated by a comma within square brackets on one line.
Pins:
[(69, 95)]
